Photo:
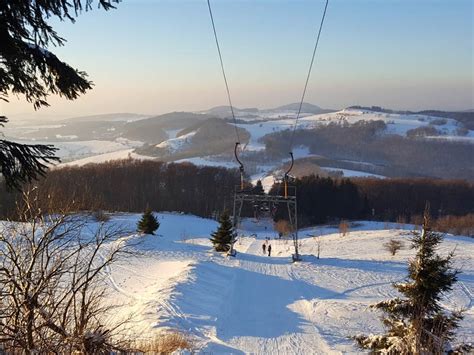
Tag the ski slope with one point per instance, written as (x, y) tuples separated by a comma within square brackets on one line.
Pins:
[(267, 305)]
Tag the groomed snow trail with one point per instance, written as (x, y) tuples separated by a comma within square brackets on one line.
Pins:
[(257, 318), (256, 304)]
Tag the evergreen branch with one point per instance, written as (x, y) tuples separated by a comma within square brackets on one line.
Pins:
[(21, 163)]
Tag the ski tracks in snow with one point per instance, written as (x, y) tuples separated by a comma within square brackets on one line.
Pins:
[(268, 305), (257, 316)]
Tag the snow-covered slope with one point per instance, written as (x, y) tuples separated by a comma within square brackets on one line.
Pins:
[(396, 123), (175, 144), (266, 305), (78, 150), (106, 157)]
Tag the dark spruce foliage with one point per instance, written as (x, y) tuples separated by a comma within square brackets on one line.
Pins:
[(258, 188), (29, 68), (225, 235), (417, 323), (20, 163), (148, 224)]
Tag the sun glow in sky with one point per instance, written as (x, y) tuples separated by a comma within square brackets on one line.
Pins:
[(157, 56)]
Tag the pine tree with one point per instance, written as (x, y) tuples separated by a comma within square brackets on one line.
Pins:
[(148, 224), (417, 323), (29, 67), (258, 188), (224, 237)]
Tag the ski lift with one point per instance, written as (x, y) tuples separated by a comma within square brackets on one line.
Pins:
[(242, 196)]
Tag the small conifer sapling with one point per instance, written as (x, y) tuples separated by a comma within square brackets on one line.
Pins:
[(148, 224), (225, 236)]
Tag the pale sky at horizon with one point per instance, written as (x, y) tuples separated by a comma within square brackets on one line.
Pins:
[(157, 56)]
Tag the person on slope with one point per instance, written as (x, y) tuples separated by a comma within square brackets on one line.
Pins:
[(264, 246), (269, 250)]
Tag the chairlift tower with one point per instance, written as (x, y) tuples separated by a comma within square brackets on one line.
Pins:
[(242, 196)]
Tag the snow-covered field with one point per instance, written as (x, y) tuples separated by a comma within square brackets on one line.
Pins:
[(209, 161), (78, 150), (105, 157), (353, 173), (267, 305)]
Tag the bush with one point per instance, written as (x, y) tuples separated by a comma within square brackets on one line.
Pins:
[(393, 245), (54, 296), (100, 216), (343, 228), (164, 344), (283, 228)]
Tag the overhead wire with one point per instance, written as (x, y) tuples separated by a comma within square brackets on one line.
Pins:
[(308, 77), (302, 96), (223, 72)]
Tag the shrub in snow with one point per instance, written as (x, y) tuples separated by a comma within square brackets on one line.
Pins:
[(100, 216), (343, 228), (148, 224), (171, 342), (225, 235), (54, 297), (393, 245), (283, 227), (417, 323)]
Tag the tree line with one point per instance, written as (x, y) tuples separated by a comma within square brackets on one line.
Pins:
[(133, 186), (323, 199)]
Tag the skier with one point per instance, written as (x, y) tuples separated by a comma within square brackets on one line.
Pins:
[(264, 247), (269, 249)]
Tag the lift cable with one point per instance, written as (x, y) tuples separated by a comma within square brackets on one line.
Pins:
[(223, 74), (307, 78), (299, 108)]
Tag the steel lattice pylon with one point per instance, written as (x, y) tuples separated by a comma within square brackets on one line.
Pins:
[(242, 196)]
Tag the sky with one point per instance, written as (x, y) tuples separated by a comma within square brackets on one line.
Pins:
[(157, 56)]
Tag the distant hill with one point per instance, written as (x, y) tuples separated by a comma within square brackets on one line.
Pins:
[(109, 117), (225, 111), (464, 117), (306, 108), (210, 137), (152, 130)]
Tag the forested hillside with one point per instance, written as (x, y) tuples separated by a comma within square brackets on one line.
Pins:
[(131, 185), (396, 156)]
